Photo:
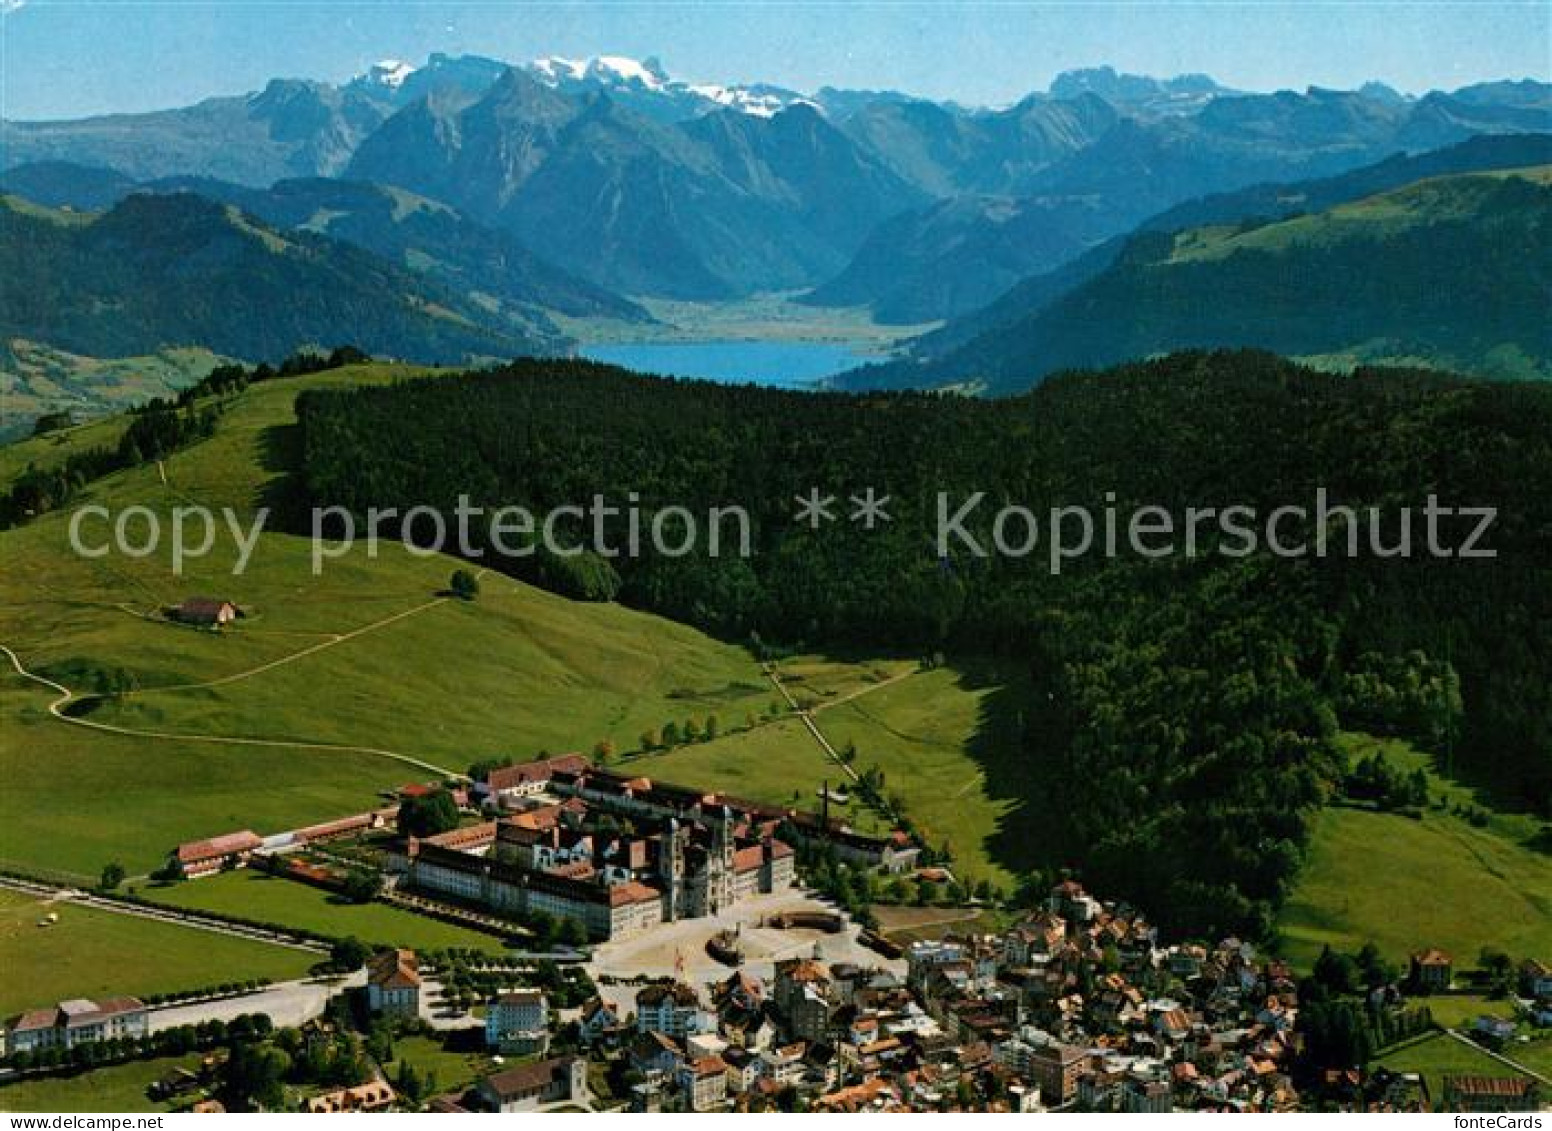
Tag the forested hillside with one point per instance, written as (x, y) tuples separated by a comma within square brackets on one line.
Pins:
[(1180, 728), (176, 270), (1440, 272)]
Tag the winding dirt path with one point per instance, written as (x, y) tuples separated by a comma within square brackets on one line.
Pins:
[(68, 696), (56, 708)]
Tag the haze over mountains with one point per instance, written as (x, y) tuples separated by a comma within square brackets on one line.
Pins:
[(560, 187), (1407, 259)]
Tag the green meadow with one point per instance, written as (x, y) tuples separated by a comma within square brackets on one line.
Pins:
[(255, 895), (91, 953), (1405, 883), (1438, 1056), (453, 1071), (120, 1088), (947, 750)]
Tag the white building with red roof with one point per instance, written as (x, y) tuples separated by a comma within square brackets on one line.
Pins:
[(76, 1022)]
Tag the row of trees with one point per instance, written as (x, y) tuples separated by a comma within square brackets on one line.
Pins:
[(156, 429), (177, 1041)]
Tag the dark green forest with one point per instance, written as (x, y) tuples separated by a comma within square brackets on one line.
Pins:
[(1182, 709)]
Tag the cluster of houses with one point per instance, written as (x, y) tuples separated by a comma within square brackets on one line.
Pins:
[(1076, 1007)]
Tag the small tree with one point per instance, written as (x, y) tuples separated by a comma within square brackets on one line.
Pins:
[(464, 585), (362, 885), (112, 876), (603, 752), (349, 954), (429, 815)]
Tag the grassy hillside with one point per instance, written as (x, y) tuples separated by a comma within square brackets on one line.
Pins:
[(1404, 883), (386, 669), (157, 272), (948, 744), (1434, 272)]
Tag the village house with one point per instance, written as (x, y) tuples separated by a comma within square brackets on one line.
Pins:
[(656, 1056), (529, 1087), (1432, 970), (393, 983), (76, 1022), (374, 1096), (1056, 1070), (704, 1083), (211, 612), (674, 1010), (518, 1023), (599, 1023), (1535, 979), (802, 997)]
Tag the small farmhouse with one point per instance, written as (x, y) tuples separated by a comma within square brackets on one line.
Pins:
[(208, 611)]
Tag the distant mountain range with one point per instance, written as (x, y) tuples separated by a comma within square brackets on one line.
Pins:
[(650, 185), (466, 209), (1266, 201), (1435, 272), (419, 235), (706, 208), (181, 269)]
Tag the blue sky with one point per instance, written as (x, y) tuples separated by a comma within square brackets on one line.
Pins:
[(65, 58)]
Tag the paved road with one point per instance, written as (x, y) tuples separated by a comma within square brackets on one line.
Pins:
[(287, 1003)]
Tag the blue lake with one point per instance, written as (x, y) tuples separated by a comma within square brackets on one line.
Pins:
[(784, 365)]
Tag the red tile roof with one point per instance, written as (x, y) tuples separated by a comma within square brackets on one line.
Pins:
[(393, 970), (1506, 1087), (225, 845), (632, 892), (527, 773)]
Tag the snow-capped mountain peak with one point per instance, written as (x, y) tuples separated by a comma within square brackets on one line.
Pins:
[(601, 69), (652, 90), (390, 73)]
